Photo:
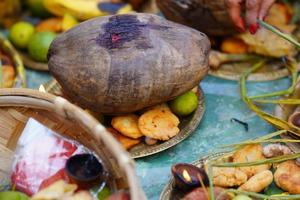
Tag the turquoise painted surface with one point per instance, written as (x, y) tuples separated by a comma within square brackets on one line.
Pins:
[(222, 103)]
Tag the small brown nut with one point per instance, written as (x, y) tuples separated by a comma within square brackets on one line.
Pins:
[(228, 176), (258, 182), (150, 141), (249, 153), (273, 150)]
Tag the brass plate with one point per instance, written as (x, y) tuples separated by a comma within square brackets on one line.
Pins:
[(32, 64), (233, 71), (187, 125), (171, 193), (284, 111)]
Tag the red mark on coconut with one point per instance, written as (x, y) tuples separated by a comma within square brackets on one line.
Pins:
[(115, 38)]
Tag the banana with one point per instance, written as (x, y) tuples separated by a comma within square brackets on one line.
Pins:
[(81, 9)]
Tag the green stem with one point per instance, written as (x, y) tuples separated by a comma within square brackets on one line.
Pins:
[(279, 101), (279, 33), (245, 76), (292, 67), (211, 181), (261, 142), (259, 162), (262, 196)]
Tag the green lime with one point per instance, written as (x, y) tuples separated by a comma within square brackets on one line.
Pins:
[(39, 45), (105, 192), (13, 195), (184, 104), (20, 34), (37, 8), (241, 197)]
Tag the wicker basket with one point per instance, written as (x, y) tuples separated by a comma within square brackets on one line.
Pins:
[(17, 105)]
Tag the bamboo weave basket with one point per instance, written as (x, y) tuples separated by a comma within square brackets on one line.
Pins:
[(17, 105)]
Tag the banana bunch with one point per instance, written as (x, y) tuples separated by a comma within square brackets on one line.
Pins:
[(86, 9)]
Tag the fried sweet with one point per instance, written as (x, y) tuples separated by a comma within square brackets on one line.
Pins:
[(127, 125), (159, 124), (228, 176), (250, 153), (126, 142), (287, 177), (258, 182)]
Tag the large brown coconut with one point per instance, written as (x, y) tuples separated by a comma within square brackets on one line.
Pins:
[(123, 63)]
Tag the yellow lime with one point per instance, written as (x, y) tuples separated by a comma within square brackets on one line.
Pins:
[(20, 33), (37, 8), (184, 104), (39, 45)]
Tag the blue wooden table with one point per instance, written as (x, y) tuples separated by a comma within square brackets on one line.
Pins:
[(223, 102)]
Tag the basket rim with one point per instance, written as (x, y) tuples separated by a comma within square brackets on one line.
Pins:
[(30, 98)]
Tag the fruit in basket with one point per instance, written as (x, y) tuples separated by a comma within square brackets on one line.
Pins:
[(39, 44), (37, 8), (184, 104), (104, 193), (13, 195), (124, 63), (20, 34), (127, 125)]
